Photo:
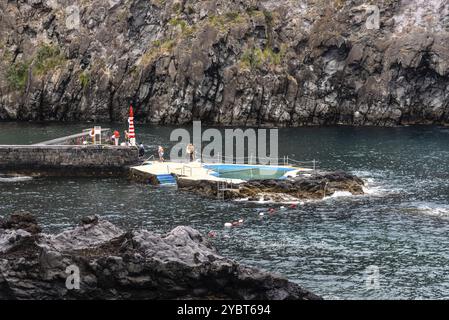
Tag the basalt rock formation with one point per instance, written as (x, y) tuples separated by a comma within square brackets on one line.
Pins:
[(303, 187), (114, 264), (231, 62)]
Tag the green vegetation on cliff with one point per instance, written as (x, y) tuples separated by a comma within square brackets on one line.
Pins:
[(47, 58), (84, 78), (17, 75), (256, 57)]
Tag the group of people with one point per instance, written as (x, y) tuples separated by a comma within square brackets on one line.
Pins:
[(190, 152), (115, 138)]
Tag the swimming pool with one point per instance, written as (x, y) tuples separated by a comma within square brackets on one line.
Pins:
[(247, 172)]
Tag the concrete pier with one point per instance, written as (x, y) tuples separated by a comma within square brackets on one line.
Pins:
[(67, 160), (149, 172)]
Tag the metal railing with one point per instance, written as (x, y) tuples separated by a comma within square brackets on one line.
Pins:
[(286, 161), (251, 160)]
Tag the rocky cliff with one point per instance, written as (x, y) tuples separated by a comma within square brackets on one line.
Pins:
[(97, 260), (232, 62)]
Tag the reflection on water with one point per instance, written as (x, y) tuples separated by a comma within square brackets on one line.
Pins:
[(401, 225)]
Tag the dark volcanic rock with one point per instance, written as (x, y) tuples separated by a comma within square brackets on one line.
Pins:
[(114, 264), (305, 186), (232, 62), (21, 220)]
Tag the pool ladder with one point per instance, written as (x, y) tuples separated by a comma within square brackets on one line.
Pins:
[(222, 186)]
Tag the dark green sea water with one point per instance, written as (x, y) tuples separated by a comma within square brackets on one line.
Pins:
[(401, 225)]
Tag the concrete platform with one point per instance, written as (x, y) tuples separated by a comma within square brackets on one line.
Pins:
[(195, 171), (191, 171)]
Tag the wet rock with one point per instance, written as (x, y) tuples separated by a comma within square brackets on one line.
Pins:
[(89, 220), (114, 264), (315, 185), (21, 221)]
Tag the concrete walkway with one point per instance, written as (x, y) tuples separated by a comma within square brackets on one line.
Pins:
[(191, 171)]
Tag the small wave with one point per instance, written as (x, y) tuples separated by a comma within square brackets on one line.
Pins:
[(365, 174), (436, 210), (376, 183), (339, 194), (373, 190), (285, 201), (11, 179)]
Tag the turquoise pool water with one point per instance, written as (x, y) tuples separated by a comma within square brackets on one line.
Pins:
[(247, 172)]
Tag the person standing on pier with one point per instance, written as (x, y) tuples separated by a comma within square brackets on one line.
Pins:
[(191, 151), (160, 152), (141, 150), (92, 135), (116, 137)]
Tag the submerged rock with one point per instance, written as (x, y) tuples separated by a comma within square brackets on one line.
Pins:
[(305, 186), (21, 220), (114, 264)]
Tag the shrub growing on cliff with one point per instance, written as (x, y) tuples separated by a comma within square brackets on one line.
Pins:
[(17, 75), (226, 21), (47, 58), (186, 29), (159, 48), (84, 79), (177, 7), (255, 57)]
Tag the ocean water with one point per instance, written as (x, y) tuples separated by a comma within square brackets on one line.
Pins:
[(391, 243)]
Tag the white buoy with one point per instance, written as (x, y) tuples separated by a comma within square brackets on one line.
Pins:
[(282, 207), (260, 213), (241, 221), (228, 225)]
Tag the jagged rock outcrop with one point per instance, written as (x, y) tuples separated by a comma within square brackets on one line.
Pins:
[(251, 62), (303, 187), (114, 264)]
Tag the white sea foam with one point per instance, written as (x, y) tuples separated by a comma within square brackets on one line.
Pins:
[(339, 194), (376, 184), (431, 209), (10, 179)]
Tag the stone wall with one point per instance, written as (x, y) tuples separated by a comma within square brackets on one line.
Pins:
[(67, 160)]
